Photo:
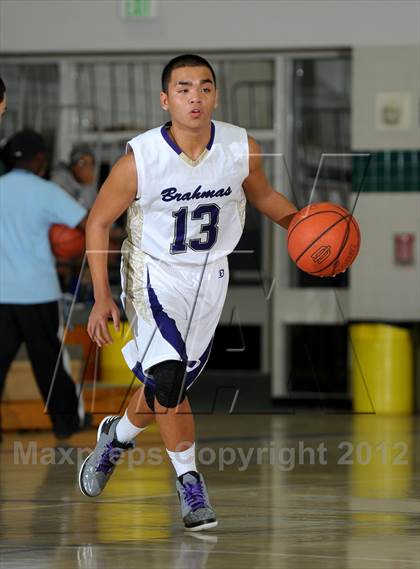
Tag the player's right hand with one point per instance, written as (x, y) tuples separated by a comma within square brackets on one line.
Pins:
[(97, 327)]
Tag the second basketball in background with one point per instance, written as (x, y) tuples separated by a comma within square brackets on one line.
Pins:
[(66, 242)]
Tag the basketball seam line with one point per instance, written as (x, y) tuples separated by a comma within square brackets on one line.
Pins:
[(321, 235), (308, 216), (345, 240), (344, 243)]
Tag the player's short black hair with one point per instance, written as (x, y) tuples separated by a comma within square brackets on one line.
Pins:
[(2, 90), (185, 60)]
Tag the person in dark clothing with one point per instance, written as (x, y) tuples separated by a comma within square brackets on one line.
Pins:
[(29, 286)]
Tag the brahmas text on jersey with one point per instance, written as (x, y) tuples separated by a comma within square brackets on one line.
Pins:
[(188, 212)]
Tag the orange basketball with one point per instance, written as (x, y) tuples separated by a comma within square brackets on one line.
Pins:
[(66, 242), (323, 239)]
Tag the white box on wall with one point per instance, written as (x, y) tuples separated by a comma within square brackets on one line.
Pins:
[(393, 110), (385, 98)]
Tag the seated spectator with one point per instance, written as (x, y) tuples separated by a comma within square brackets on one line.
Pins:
[(78, 176)]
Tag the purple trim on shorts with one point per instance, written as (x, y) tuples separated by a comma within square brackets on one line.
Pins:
[(168, 328), (142, 376), (145, 379), (165, 133), (191, 375), (167, 325)]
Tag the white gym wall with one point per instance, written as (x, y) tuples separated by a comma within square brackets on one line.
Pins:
[(98, 25)]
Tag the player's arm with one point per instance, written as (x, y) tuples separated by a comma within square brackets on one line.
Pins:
[(261, 194), (115, 195)]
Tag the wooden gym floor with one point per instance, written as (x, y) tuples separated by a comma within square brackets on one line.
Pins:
[(291, 491)]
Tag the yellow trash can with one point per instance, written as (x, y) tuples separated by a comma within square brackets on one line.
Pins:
[(113, 369), (382, 375)]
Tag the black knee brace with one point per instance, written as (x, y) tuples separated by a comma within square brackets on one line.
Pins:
[(149, 395), (170, 379)]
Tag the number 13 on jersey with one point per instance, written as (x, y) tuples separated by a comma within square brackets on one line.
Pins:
[(207, 212)]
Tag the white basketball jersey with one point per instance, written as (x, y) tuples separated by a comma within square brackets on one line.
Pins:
[(188, 212)]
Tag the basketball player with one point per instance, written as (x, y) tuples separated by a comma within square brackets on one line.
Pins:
[(185, 186)]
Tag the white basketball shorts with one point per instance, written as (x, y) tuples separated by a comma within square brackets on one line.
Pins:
[(173, 312)]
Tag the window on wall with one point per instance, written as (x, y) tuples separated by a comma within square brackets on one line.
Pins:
[(320, 137), (117, 97), (125, 94), (32, 97), (122, 94)]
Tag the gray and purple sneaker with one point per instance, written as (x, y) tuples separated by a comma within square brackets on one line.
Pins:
[(98, 467), (196, 510)]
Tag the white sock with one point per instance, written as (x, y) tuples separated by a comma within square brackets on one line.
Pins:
[(183, 461), (126, 431)]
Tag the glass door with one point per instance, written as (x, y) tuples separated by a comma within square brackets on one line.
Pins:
[(320, 140)]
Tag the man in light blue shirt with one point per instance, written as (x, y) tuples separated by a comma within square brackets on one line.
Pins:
[(29, 286)]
